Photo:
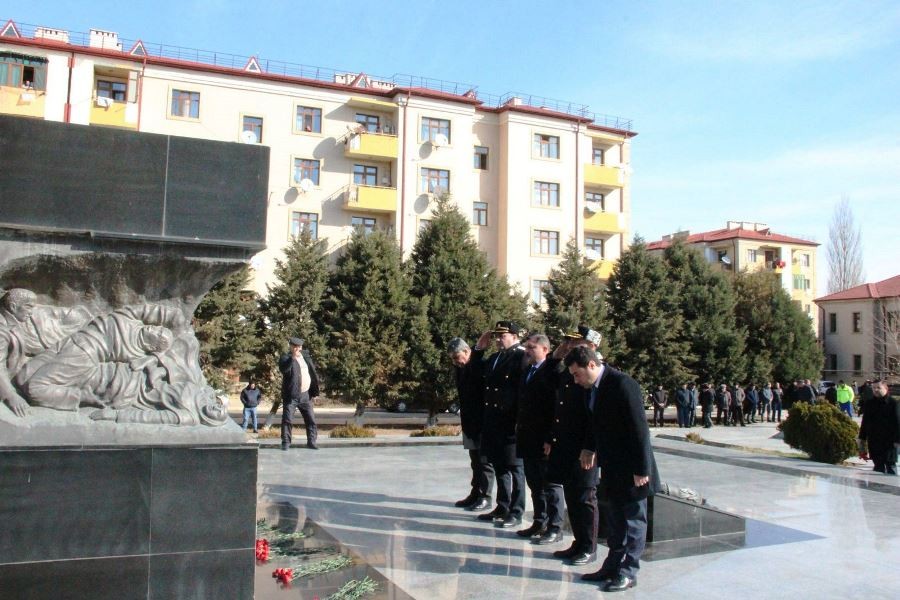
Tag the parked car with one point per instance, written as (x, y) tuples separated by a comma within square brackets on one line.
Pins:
[(824, 385)]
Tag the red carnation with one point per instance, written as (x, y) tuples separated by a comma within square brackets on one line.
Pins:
[(262, 550)]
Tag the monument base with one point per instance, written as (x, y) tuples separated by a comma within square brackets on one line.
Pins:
[(128, 522)]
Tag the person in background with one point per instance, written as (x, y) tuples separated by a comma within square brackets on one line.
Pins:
[(707, 399), (660, 398), (250, 400), (844, 397), (880, 428)]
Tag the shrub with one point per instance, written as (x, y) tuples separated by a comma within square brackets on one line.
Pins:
[(352, 430), (820, 430), (436, 431)]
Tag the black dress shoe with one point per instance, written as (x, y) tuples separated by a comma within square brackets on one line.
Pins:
[(312, 446), (567, 553), (509, 522), (600, 575), (534, 528), (285, 447), (549, 537), (620, 584), (480, 504), (467, 501), (490, 516), (582, 558)]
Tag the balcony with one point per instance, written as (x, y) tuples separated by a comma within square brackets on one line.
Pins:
[(603, 222), (601, 175), (371, 146), (603, 268), (370, 198), (105, 111), (21, 101)]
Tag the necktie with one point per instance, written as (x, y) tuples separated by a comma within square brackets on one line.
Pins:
[(530, 373)]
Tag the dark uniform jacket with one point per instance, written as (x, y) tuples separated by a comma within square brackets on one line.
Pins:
[(569, 435), (707, 398), (881, 425), (534, 417), (622, 438), (683, 397), (290, 370), (502, 376), (470, 387)]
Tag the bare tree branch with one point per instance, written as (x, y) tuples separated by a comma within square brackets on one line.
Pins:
[(844, 252)]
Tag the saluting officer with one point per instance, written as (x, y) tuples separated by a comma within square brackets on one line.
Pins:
[(503, 371)]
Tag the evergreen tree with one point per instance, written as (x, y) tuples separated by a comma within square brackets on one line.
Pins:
[(224, 323), (575, 296), (706, 303), (781, 345), (644, 324), (292, 308), (379, 329), (465, 295)]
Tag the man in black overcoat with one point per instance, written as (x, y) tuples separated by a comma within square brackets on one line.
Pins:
[(299, 386), (503, 373), (628, 474), (880, 428)]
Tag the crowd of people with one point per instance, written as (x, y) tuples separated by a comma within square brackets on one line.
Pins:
[(566, 427)]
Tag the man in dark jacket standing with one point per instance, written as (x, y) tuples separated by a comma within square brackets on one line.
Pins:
[(880, 428), (299, 386), (707, 398), (470, 389), (250, 400), (660, 398), (628, 474), (752, 402), (683, 405), (503, 372)]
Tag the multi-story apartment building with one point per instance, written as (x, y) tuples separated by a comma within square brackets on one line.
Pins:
[(860, 330), (744, 246), (350, 150)]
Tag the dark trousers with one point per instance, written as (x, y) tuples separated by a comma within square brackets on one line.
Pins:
[(720, 411), (545, 497), (885, 460), (737, 414), (510, 488), (304, 405), (658, 415), (627, 523), (707, 420), (482, 475), (581, 502), (776, 411), (752, 415)]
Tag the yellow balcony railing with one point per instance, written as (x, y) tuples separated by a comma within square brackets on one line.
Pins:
[(603, 176), (370, 198), (603, 221), (21, 101), (372, 146), (603, 268), (114, 114)]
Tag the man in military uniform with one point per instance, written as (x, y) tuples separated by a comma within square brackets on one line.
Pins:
[(503, 372), (571, 426)]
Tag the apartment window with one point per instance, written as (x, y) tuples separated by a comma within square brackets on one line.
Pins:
[(307, 221), (857, 318), (832, 322), (435, 181), (593, 248), (431, 127), (804, 260), (857, 363), (364, 224), (116, 90), (545, 242), (255, 125), (365, 175), (546, 146), (598, 200), (479, 213), (537, 291), (808, 310), (185, 104), (545, 194), (309, 119), (801, 282), (832, 362), (372, 123), (305, 168), (21, 71), (721, 254), (751, 256), (597, 156), (481, 158)]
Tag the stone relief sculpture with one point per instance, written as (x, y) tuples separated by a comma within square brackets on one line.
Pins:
[(136, 364)]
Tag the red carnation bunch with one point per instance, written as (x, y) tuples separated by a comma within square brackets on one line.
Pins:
[(262, 550), (284, 576)]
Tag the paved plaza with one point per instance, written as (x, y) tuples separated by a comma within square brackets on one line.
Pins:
[(813, 531)]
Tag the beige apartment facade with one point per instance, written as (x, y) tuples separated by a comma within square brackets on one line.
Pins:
[(751, 247), (352, 151)]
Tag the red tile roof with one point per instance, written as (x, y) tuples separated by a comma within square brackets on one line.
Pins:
[(728, 234), (887, 288)]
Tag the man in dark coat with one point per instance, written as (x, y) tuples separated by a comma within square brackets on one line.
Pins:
[(723, 401), (736, 408), (470, 389), (683, 405), (659, 398), (628, 474), (695, 401), (805, 392), (503, 373), (299, 386), (569, 436), (534, 421), (752, 402), (707, 398), (880, 428)]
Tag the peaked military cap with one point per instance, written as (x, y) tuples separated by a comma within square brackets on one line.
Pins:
[(506, 327)]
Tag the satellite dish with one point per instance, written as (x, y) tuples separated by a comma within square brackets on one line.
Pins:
[(249, 137), (726, 260), (439, 140), (306, 185)]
